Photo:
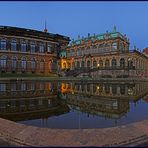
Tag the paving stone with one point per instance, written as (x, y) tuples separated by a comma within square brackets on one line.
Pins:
[(35, 136)]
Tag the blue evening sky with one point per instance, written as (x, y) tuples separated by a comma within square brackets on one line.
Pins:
[(80, 18)]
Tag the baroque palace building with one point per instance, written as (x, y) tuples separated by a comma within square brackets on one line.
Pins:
[(104, 55), (29, 51)]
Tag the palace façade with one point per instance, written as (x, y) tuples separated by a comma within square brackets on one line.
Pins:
[(104, 55), (39, 52)]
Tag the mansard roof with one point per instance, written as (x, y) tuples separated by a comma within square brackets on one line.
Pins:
[(103, 36), (8, 30)]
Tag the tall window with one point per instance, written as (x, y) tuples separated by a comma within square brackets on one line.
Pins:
[(2, 87), (33, 64), (41, 48), (23, 86), (32, 47), (78, 64), (114, 46), (82, 64), (122, 63), (49, 48), (107, 63), (3, 62), (13, 45), (42, 66), (14, 63), (130, 63), (3, 44), (82, 51), (78, 52), (23, 63), (94, 63), (114, 62), (88, 64), (23, 46), (100, 63)]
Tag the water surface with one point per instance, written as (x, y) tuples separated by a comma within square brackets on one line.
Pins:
[(73, 105)]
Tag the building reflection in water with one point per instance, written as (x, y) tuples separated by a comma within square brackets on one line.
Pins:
[(30, 100), (25, 100), (107, 100)]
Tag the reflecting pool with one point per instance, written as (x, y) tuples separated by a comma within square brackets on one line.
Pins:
[(73, 105)]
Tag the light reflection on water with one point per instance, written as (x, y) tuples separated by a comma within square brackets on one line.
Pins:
[(73, 105)]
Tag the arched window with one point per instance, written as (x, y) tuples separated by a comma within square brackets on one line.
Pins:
[(32, 47), (33, 65), (114, 63), (107, 89), (23, 46), (14, 63), (64, 65), (3, 44), (88, 87), (122, 63), (94, 88), (122, 89), (107, 63), (94, 63), (82, 64), (78, 64), (88, 64), (114, 90), (3, 62), (130, 63), (13, 45), (24, 64), (100, 63), (42, 65)]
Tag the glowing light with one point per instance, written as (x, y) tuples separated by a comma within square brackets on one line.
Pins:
[(98, 87), (98, 65)]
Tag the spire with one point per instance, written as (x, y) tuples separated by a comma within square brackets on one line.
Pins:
[(45, 30), (114, 28)]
